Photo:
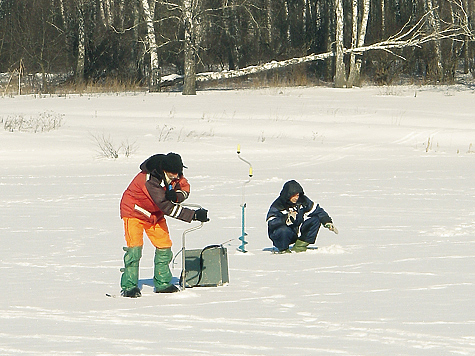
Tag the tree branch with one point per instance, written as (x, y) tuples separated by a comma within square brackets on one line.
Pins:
[(413, 36)]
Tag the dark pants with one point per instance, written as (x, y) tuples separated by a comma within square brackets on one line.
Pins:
[(284, 236)]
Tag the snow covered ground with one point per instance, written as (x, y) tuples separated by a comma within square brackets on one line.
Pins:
[(393, 166)]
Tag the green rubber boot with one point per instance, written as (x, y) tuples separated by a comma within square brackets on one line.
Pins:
[(162, 275), (130, 273), (300, 246)]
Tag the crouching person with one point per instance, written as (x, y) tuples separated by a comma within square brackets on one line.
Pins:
[(154, 193), (294, 219)]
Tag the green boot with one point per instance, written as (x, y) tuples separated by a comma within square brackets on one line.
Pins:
[(130, 273), (300, 246), (162, 275)]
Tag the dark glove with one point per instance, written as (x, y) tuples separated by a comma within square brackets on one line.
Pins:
[(201, 215), (171, 195)]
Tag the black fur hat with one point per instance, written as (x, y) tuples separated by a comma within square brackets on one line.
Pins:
[(172, 163)]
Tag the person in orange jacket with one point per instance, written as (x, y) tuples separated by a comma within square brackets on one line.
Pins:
[(154, 193)]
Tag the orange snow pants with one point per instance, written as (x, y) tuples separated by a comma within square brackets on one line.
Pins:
[(157, 233)]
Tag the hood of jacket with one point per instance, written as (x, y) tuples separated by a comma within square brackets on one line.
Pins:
[(289, 189)]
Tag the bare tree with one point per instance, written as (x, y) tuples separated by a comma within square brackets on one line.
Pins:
[(433, 24), (81, 4), (151, 44), (358, 39), (190, 11), (269, 21), (99, 39), (340, 70), (407, 37), (461, 15), (105, 12), (354, 43)]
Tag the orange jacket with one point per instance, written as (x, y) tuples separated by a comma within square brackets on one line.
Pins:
[(145, 199)]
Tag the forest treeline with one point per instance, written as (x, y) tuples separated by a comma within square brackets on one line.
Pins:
[(140, 41)]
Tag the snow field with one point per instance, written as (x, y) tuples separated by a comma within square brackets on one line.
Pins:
[(395, 172)]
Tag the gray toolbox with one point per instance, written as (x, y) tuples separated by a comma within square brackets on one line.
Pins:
[(207, 267)]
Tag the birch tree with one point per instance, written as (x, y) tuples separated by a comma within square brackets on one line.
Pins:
[(354, 43), (358, 39), (311, 25), (151, 44), (193, 12), (434, 26), (329, 22), (340, 70), (465, 22), (461, 14), (270, 21), (69, 31), (189, 19), (105, 12), (81, 57), (407, 37)]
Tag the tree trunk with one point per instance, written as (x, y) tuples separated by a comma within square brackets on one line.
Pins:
[(154, 74), (138, 50), (67, 30), (354, 44), (120, 16), (466, 57), (189, 82), (62, 11), (269, 22), (296, 19), (355, 71), (229, 28), (434, 24), (104, 11), (288, 38), (466, 22), (81, 42), (311, 25), (340, 70), (329, 20)]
